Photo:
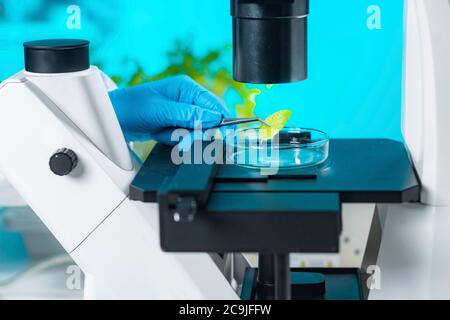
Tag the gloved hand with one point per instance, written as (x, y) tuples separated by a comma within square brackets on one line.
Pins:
[(155, 109)]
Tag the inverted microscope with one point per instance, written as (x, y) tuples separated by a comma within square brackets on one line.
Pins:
[(145, 232)]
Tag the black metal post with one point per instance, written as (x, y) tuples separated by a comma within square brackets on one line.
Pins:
[(266, 277), (282, 277)]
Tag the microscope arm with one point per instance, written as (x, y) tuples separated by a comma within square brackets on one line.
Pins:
[(115, 241)]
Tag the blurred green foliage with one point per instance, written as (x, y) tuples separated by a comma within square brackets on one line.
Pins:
[(204, 70), (207, 71)]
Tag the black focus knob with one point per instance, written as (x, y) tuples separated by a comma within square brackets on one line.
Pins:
[(56, 55), (63, 162)]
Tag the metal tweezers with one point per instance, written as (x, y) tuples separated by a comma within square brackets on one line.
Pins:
[(236, 121)]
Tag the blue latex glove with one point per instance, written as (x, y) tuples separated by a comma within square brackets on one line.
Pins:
[(153, 110)]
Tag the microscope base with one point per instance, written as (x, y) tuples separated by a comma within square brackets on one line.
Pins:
[(313, 284)]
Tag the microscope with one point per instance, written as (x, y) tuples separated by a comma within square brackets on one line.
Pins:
[(145, 231)]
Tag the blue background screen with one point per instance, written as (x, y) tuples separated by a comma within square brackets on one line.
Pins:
[(355, 73)]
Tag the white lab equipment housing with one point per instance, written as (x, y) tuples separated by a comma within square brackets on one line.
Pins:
[(116, 241), (412, 257)]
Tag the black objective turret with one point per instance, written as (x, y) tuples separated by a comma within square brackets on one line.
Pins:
[(269, 40)]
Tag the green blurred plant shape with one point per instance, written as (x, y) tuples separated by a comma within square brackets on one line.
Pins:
[(207, 70), (204, 70)]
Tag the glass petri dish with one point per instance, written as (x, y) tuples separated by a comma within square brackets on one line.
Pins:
[(290, 148)]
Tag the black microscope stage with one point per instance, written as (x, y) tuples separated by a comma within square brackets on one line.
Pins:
[(227, 208)]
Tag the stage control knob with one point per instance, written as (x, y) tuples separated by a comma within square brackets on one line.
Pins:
[(63, 161)]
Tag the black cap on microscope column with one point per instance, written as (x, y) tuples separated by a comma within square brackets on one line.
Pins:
[(56, 55)]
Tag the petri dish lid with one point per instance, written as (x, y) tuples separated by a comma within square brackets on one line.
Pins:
[(290, 148)]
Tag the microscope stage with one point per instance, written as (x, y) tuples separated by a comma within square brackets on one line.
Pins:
[(227, 208)]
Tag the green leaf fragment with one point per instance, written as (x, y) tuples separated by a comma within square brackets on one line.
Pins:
[(277, 122), (142, 148)]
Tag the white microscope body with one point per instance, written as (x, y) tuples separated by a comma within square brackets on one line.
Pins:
[(116, 241), (413, 257)]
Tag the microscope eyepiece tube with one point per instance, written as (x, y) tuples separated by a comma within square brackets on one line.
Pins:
[(269, 40)]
